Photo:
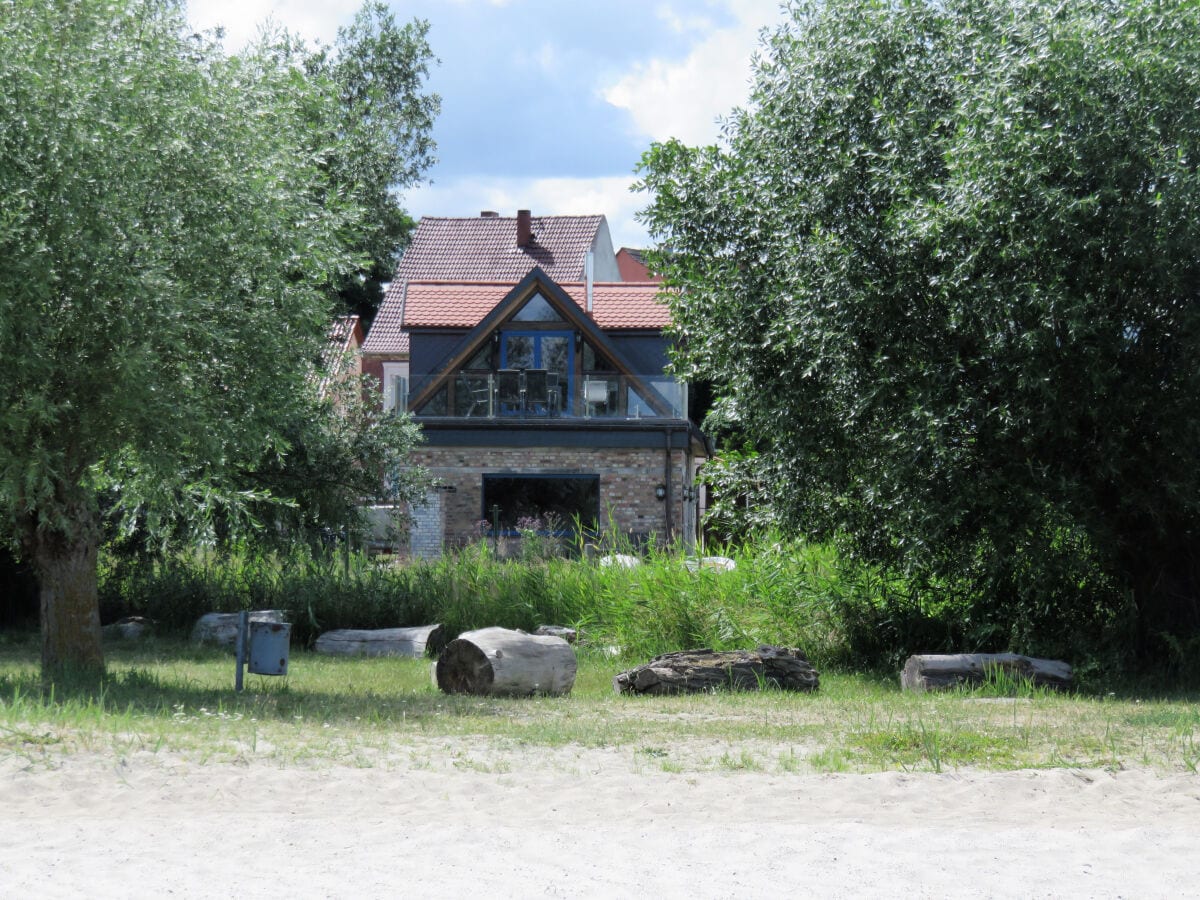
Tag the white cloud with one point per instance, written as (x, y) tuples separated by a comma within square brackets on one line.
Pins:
[(313, 20), (543, 196), (681, 22), (684, 98)]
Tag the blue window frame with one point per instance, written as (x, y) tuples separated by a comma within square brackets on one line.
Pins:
[(553, 351)]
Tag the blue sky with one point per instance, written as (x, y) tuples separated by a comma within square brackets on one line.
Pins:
[(549, 104)]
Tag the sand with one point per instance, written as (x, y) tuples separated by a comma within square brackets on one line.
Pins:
[(586, 823)]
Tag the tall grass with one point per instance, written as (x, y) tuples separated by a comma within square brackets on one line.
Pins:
[(844, 615), (779, 593)]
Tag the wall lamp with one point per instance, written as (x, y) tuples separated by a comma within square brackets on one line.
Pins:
[(661, 492)]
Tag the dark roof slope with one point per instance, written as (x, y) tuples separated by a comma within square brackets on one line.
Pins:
[(387, 334), (484, 248)]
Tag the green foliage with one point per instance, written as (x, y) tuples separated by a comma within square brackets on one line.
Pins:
[(741, 498), (383, 125), (943, 272), (171, 221)]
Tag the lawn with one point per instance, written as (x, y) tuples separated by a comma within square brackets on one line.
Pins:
[(172, 698)]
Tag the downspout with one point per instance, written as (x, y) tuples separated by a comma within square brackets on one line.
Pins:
[(589, 275), (670, 498)]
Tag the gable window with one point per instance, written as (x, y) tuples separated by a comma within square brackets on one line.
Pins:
[(538, 309)]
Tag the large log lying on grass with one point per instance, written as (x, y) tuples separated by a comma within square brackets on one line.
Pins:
[(503, 662), (410, 642), (939, 672), (696, 671)]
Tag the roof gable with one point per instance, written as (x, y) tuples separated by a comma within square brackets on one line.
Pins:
[(484, 248), (513, 300)]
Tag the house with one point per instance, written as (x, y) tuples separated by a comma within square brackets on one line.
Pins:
[(543, 400), (632, 266), (488, 247)]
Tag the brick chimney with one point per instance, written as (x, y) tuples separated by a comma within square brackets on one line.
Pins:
[(524, 228)]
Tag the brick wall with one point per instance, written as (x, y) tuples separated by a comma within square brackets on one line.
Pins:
[(628, 478), (428, 526)]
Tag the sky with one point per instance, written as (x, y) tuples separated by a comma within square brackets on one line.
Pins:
[(548, 105)]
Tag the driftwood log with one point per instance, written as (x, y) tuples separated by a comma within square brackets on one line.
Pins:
[(567, 634), (508, 663), (696, 671), (410, 642), (940, 672), (131, 628)]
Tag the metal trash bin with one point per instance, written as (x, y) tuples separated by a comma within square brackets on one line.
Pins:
[(269, 645)]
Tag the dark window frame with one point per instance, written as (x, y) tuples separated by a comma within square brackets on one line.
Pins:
[(489, 484)]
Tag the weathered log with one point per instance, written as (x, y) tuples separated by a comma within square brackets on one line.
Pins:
[(567, 634), (410, 642), (503, 662), (130, 628), (222, 628), (698, 671), (932, 672)]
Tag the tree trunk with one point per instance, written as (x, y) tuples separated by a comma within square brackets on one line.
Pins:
[(65, 565), (503, 662)]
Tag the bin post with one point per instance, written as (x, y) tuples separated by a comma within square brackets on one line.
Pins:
[(243, 620)]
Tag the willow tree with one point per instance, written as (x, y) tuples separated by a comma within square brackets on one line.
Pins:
[(943, 270), (167, 236)]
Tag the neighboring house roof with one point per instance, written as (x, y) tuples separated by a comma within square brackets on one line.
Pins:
[(345, 337), (464, 304), (387, 334), (486, 248), (632, 265)]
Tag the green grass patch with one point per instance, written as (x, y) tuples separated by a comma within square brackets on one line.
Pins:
[(169, 698)]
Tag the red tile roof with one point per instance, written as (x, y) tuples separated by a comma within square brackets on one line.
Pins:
[(464, 304), (484, 248), (625, 304), (454, 304)]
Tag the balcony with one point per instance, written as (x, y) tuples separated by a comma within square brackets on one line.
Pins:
[(540, 395)]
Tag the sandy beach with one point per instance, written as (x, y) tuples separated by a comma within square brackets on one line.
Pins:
[(585, 823)]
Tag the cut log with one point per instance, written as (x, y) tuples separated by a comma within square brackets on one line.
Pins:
[(932, 672), (222, 628), (410, 642), (699, 671), (131, 628), (567, 634), (501, 662)]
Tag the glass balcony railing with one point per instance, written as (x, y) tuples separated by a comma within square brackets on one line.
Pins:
[(535, 394)]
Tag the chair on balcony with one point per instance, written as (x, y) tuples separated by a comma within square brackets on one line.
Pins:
[(510, 392), (477, 393), (537, 392), (553, 395), (595, 393)]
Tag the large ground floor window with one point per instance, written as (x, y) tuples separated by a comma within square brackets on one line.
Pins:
[(546, 503)]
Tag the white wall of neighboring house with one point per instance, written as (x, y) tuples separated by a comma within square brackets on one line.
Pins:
[(395, 374), (605, 257)]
